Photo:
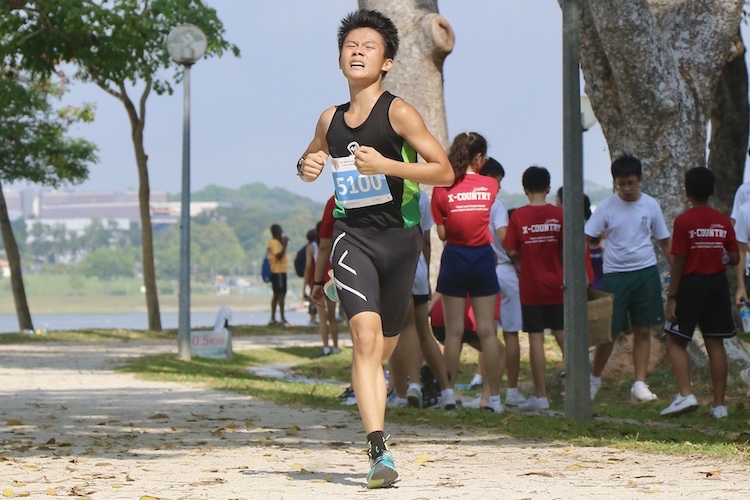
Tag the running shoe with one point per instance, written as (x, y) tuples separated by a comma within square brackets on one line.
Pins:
[(474, 403), (476, 381), (680, 405), (496, 408), (594, 384), (534, 403), (414, 396), (640, 393), (448, 401), (348, 392), (396, 402), (719, 412), (382, 471), (513, 397)]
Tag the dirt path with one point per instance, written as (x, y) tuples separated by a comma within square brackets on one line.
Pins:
[(71, 426)]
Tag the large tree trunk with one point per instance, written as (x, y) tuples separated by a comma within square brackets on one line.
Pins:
[(137, 123), (730, 126), (14, 260), (426, 39), (651, 71), (652, 68)]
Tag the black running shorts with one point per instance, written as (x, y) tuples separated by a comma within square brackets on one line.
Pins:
[(374, 271)]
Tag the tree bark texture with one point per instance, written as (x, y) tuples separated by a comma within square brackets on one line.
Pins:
[(426, 39), (730, 127), (14, 260), (651, 69)]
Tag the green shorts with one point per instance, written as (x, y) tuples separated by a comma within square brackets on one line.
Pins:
[(638, 300)]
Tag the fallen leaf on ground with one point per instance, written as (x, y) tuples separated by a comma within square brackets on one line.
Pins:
[(423, 458), (542, 473), (51, 492), (293, 431), (13, 421), (158, 415), (651, 490), (209, 482), (711, 473)]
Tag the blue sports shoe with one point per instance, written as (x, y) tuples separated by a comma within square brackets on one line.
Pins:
[(382, 471)]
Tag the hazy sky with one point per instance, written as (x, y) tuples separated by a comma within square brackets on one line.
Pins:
[(253, 116)]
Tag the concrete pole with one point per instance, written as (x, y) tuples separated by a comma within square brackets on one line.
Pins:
[(577, 367)]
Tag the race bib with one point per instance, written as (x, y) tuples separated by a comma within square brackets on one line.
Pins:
[(354, 190)]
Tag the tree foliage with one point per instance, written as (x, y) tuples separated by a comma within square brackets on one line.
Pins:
[(120, 46)]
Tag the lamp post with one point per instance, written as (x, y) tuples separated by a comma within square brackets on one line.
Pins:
[(577, 395), (186, 44)]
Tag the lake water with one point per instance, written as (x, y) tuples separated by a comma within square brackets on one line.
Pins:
[(139, 321)]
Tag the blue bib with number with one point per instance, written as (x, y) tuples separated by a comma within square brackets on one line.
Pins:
[(354, 190)]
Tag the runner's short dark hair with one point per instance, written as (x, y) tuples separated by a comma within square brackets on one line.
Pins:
[(371, 19)]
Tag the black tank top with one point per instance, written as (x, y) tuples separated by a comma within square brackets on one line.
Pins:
[(377, 132)]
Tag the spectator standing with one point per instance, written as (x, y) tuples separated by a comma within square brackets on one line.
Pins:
[(629, 219), (699, 292), (277, 257), (461, 214), (534, 237)]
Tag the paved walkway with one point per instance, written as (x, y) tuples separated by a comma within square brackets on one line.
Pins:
[(71, 426)]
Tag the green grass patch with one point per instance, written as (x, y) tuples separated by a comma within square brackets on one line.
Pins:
[(623, 424), (120, 335)]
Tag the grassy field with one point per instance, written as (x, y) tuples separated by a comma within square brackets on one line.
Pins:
[(62, 294)]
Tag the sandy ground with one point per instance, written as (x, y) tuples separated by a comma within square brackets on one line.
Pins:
[(71, 426)]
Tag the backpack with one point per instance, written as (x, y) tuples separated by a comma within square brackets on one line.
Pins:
[(265, 270), (299, 261), (430, 387)]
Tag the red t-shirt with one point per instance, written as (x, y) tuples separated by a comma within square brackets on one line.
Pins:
[(326, 223), (464, 210), (470, 323), (535, 232), (701, 234)]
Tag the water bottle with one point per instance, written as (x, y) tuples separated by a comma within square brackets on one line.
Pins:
[(745, 315)]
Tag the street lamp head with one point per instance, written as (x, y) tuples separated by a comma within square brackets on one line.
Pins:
[(186, 44)]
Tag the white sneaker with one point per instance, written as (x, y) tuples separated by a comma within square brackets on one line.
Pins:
[(396, 402), (534, 403), (641, 393), (745, 376), (496, 408), (594, 384), (474, 403), (414, 396), (719, 411), (477, 381), (514, 398), (448, 401), (680, 405)]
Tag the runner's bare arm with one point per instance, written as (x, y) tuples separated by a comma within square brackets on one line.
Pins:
[(407, 123), (316, 154)]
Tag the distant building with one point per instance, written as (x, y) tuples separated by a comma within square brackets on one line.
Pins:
[(76, 209)]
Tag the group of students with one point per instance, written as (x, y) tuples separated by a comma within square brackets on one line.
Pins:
[(375, 242)]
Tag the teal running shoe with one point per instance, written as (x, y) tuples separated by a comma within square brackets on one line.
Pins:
[(382, 471)]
